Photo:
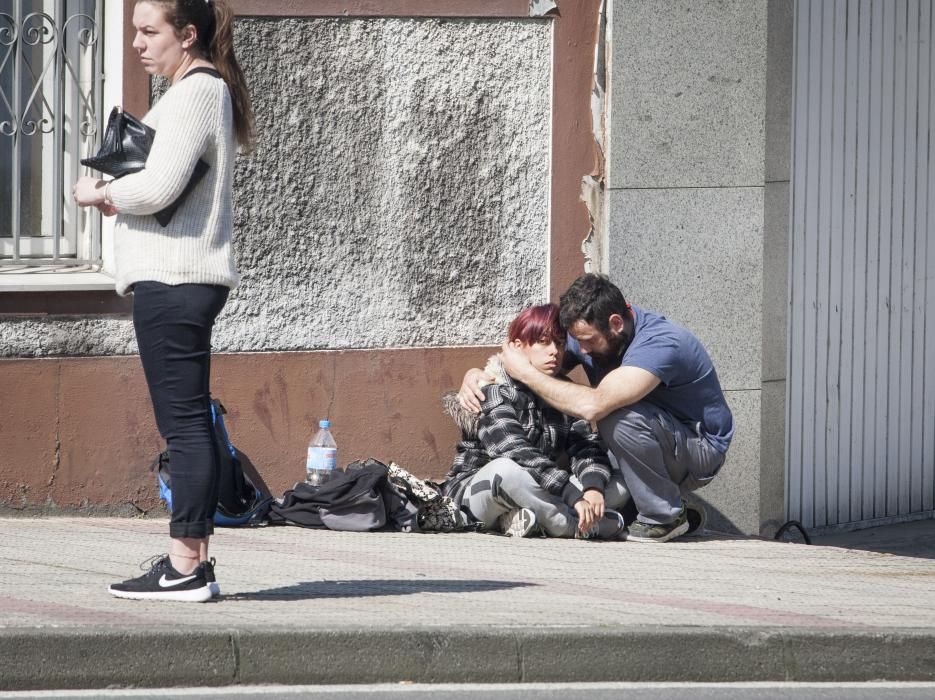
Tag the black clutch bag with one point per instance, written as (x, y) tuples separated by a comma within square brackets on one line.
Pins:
[(124, 150)]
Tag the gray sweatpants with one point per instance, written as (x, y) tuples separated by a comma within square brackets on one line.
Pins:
[(658, 457), (502, 485)]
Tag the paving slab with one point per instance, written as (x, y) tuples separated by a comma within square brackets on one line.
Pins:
[(312, 606)]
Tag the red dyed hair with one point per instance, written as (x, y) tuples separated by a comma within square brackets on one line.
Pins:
[(535, 322)]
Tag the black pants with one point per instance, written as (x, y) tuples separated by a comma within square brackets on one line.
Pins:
[(173, 326)]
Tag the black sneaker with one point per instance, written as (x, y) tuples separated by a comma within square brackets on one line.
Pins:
[(163, 582), (649, 532), (209, 577)]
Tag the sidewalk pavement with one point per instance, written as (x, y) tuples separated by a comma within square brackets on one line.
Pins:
[(308, 606)]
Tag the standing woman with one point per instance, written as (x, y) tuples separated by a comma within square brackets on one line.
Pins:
[(181, 274)]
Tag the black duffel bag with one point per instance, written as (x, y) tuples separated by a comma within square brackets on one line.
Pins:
[(358, 500)]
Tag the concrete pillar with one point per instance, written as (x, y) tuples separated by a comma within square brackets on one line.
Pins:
[(697, 182)]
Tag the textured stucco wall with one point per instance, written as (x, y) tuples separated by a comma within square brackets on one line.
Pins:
[(398, 195)]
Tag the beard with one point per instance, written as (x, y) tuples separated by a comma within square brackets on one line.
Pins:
[(617, 344)]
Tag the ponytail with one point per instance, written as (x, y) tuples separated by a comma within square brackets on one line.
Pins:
[(220, 51), (214, 25)]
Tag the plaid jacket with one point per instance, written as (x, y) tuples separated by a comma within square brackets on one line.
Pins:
[(516, 424)]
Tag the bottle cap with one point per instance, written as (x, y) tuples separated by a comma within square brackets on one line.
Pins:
[(324, 424)]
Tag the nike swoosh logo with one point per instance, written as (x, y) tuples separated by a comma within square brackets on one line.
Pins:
[(166, 583)]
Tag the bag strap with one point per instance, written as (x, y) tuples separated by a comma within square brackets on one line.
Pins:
[(201, 69), (217, 411)]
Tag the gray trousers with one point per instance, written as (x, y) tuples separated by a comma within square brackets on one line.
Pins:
[(502, 485), (658, 458)]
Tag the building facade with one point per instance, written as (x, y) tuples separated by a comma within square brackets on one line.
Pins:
[(423, 173), (400, 207)]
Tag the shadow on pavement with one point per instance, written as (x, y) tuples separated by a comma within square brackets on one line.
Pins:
[(717, 523), (376, 587), (912, 539), (907, 539)]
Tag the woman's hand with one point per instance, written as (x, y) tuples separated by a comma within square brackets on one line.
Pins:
[(596, 499), (89, 192), (470, 395), (585, 515), (106, 209)]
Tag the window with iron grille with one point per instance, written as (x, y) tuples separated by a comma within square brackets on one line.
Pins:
[(50, 117)]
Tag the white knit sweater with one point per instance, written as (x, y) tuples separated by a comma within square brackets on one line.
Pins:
[(192, 120)]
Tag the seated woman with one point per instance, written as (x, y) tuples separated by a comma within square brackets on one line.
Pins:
[(521, 465)]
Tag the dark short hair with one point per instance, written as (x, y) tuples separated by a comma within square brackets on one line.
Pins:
[(593, 299)]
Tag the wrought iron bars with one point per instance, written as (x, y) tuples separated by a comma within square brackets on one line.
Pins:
[(50, 88)]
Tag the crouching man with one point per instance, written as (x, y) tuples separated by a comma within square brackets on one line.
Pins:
[(654, 395)]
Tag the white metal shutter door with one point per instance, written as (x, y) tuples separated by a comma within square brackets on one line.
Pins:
[(861, 379)]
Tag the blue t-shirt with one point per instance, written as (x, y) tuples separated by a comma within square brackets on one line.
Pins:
[(689, 388)]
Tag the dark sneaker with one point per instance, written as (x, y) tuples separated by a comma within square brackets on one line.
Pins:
[(209, 577), (518, 523), (611, 527), (648, 532), (163, 582)]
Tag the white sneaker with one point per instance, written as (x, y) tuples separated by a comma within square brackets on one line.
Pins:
[(517, 523)]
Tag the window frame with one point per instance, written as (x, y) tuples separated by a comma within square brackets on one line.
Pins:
[(54, 277)]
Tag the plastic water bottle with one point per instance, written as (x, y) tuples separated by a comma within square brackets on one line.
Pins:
[(322, 456)]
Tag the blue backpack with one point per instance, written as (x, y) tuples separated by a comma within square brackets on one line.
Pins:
[(240, 502)]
